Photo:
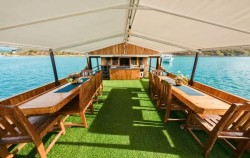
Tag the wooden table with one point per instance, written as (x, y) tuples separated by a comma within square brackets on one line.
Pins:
[(204, 104), (49, 102)]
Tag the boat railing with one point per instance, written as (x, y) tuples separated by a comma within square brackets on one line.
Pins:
[(24, 96), (217, 93)]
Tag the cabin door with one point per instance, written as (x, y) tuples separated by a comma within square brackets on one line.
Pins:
[(154, 63), (94, 63)]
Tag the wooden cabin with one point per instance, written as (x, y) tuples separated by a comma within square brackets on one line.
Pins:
[(124, 61)]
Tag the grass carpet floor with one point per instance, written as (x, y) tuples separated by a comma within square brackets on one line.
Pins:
[(126, 124)]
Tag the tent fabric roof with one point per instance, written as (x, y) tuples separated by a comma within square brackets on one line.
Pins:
[(87, 25)]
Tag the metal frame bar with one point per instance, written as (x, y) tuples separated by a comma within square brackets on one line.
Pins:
[(144, 7), (130, 18), (126, 30), (61, 17), (77, 44), (57, 83), (163, 42)]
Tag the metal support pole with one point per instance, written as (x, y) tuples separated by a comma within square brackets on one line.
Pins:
[(157, 63), (149, 69), (97, 62), (51, 53), (90, 64), (160, 61), (194, 68)]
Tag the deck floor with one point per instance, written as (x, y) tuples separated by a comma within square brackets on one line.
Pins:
[(126, 124)]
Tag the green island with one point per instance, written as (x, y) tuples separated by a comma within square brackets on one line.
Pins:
[(32, 52), (240, 52)]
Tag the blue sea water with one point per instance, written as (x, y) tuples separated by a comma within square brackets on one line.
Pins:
[(231, 74), (19, 74)]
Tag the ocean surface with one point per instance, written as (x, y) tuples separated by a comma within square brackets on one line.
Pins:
[(19, 74)]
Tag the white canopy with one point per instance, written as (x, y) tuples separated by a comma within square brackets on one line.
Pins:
[(162, 25)]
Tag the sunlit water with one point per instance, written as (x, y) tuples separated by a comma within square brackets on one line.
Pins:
[(231, 74), (19, 74)]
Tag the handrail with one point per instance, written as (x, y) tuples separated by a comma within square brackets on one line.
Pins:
[(217, 93)]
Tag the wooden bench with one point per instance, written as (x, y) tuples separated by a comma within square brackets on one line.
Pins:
[(171, 104), (79, 106), (15, 128), (235, 124)]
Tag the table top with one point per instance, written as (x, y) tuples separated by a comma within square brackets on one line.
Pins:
[(202, 104), (49, 102)]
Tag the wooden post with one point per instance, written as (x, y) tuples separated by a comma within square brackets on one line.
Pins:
[(54, 66), (194, 68)]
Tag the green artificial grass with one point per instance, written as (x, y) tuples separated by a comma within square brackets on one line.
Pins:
[(126, 124)]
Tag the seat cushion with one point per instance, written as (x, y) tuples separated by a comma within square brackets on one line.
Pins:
[(43, 123)]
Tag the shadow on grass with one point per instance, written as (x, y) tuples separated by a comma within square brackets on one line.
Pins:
[(127, 119), (123, 113)]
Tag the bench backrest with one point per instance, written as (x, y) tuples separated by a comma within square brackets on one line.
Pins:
[(236, 119), (98, 79), (166, 92), (157, 85), (13, 124), (85, 96), (92, 85)]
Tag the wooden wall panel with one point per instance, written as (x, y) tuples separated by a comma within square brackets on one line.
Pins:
[(119, 49), (222, 95), (124, 74), (225, 96)]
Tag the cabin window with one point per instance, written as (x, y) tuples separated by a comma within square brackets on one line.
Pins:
[(124, 62), (141, 61), (115, 61), (108, 61), (134, 61)]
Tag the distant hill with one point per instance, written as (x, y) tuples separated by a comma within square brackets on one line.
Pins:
[(39, 53), (241, 52), (245, 52)]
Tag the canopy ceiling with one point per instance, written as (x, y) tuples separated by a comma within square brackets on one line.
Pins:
[(161, 25)]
